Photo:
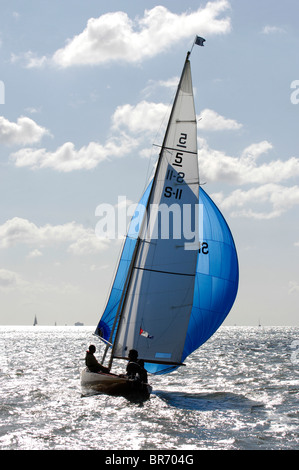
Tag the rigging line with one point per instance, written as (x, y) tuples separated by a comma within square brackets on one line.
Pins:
[(176, 150), (194, 121), (188, 183), (164, 272), (156, 361)]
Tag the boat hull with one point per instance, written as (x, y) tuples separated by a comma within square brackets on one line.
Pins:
[(112, 384)]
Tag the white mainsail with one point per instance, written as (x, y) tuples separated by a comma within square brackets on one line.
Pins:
[(158, 298)]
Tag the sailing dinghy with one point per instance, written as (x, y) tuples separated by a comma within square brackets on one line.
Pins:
[(172, 290)]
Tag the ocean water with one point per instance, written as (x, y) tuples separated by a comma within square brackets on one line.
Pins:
[(238, 391)]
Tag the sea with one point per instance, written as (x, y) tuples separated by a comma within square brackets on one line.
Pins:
[(239, 391)]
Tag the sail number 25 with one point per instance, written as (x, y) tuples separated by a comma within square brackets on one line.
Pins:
[(172, 175)]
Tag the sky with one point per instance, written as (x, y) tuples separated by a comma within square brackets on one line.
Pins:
[(85, 91)]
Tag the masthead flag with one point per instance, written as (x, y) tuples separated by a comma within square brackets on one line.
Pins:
[(199, 41)]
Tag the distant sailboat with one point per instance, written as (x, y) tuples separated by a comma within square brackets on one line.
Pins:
[(35, 321), (170, 295)]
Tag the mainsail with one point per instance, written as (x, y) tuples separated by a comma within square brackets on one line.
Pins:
[(176, 282)]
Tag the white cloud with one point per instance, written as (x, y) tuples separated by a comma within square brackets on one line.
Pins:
[(79, 239), (66, 158), (8, 278), (293, 287), (29, 60), (142, 117), (126, 120), (242, 203), (24, 131), (212, 121), (272, 29), (33, 61), (254, 151), (11, 281), (145, 115), (141, 122), (116, 37), (152, 85), (268, 198), (32, 110), (215, 165), (35, 254), (87, 243)]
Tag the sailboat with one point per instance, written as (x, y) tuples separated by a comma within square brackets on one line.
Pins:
[(35, 321), (172, 290)]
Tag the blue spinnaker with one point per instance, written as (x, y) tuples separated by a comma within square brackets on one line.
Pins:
[(217, 277)]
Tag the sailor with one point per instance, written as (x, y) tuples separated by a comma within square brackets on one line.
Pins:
[(135, 367), (91, 362)]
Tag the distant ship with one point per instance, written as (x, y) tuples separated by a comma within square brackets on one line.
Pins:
[(78, 323)]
